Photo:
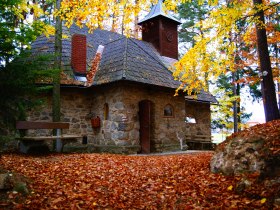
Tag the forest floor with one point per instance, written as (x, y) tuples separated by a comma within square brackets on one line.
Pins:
[(106, 181)]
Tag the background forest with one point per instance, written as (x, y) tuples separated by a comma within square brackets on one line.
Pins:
[(228, 47)]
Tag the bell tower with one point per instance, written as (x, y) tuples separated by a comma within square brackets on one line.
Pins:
[(160, 29)]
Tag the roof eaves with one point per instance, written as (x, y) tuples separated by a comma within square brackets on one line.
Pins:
[(202, 101), (203, 97), (157, 15)]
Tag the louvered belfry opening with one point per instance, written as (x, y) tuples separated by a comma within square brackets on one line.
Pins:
[(79, 54)]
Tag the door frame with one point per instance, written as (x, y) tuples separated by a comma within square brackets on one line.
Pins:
[(145, 121)]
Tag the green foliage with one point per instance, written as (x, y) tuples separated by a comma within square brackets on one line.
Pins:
[(17, 30), (18, 86), (21, 22), (191, 12), (222, 115)]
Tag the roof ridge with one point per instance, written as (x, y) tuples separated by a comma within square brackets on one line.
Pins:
[(158, 61), (115, 40)]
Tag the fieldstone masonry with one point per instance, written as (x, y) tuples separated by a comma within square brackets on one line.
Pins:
[(202, 115), (120, 131)]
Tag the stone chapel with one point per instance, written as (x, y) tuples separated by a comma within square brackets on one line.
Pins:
[(118, 92)]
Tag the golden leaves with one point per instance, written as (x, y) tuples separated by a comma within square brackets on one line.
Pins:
[(216, 46), (26, 7), (215, 50), (100, 14), (49, 30), (230, 188)]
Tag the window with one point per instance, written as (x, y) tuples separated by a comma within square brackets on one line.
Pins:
[(168, 111), (106, 111), (190, 120)]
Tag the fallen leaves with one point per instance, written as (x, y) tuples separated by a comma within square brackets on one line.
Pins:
[(105, 181), (230, 187), (263, 200)]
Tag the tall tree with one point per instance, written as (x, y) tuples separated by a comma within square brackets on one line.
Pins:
[(222, 20), (21, 22), (268, 88), (223, 113), (192, 13), (57, 65)]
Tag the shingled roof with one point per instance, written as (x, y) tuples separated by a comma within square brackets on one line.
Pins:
[(123, 59), (203, 96)]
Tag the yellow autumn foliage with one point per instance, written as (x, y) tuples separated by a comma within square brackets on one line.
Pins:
[(214, 52), (34, 9)]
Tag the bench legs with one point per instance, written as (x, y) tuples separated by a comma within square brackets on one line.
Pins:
[(24, 147), (58, 145), (58, 142), (40, 145), (32, 146)]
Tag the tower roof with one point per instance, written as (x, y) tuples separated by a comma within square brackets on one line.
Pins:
[(158, 10)]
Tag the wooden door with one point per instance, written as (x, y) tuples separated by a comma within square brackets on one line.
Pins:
[(145, 108)]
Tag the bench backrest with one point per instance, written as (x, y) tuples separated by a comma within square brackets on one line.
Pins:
[(41, 125)]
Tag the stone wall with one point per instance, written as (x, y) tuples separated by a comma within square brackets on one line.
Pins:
[(164, 129), (75, 108), (120, 126), (201, 113)]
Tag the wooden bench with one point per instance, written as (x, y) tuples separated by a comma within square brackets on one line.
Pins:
[(198, 141), (28, 142)]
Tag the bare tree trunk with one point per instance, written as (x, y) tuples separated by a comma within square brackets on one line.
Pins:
[(136, 27), (277, 65), (113, 29), (278, 85), (278, 68), (268, 89), (57, 65), (235, 121), (238, 105)]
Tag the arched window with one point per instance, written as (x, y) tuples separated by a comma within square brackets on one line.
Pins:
[(168, 111), (106, 111)]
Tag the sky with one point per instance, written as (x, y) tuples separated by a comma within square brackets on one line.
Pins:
[(254, 107), (257, 111)]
